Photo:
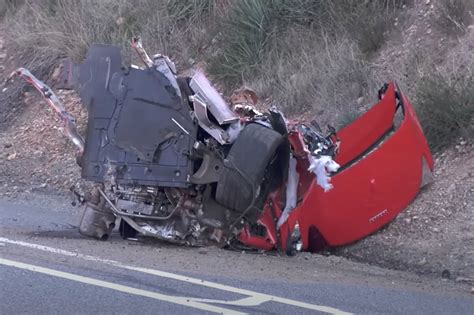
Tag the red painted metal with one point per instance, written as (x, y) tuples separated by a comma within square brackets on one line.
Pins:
[(367, 194), (271, 210), (367, 129), (372, 191)]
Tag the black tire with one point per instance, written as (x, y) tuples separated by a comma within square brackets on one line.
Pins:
[(248, 158)]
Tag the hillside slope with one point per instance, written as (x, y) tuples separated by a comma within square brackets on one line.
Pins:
[(433, 235)]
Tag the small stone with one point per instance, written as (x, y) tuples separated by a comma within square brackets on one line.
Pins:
[(472, 290), (451, 189), (120, 21), (4, 90), (465, 279), (191, 61), (11, 156), (446, 274), (56, 73)]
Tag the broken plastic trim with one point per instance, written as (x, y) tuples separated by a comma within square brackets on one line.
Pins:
[(137, 45), (291, 192), (70, 129)]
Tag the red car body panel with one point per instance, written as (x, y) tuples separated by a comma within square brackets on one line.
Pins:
[(368, 193), (367, 129)]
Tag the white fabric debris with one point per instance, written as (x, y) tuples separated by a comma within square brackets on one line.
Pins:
[(291, 192), (322, 166)]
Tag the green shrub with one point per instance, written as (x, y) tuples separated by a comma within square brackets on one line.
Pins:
[(325, 76), (445, 107), (346, 117), (247, 30), (253, 29), (190, 9)]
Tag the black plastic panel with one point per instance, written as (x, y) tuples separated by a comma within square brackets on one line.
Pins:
[(136, 121)]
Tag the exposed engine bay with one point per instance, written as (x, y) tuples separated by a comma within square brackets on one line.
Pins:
[(172, 159)]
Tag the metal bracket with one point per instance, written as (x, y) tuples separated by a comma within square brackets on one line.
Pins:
[(209, 95), (210, 169), (200, 111)]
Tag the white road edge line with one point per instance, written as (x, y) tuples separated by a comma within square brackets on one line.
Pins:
[(121, 288), (254, 297)]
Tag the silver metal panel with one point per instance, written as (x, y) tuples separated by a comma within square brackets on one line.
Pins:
[(215, 103)]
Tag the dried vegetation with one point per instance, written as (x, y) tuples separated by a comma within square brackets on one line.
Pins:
[(311, 58)]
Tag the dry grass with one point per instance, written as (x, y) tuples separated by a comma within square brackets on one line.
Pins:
[(65, 28), (455, 16), (253, 42), (305, 56)]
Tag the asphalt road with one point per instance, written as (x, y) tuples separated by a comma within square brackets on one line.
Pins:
[(46, 267)]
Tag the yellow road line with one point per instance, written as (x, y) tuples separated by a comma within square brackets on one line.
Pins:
[(254, 298), (189, 302)]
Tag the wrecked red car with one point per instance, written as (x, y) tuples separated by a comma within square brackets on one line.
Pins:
[(172, 160)]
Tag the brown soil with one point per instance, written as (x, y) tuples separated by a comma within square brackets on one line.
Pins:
[(434, 235)]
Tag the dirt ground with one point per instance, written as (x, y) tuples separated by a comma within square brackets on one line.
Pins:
[(434, 236)]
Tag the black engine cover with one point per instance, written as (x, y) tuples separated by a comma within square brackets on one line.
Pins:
[(139, 129)]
